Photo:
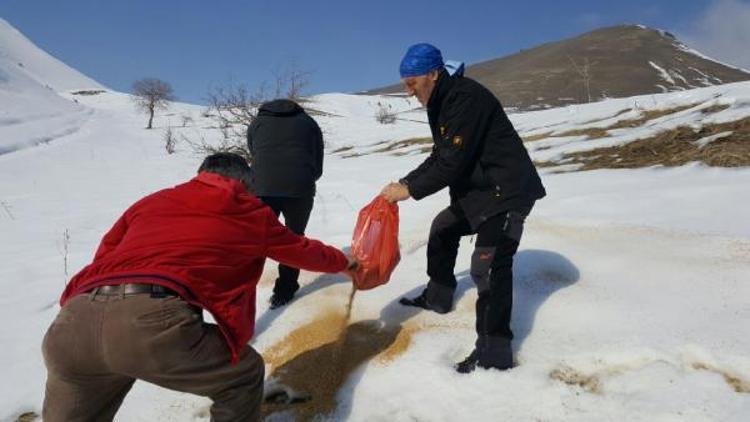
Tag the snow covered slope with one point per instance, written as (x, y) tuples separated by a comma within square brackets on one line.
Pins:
[(631, 285), (32, 110), (16, 49)]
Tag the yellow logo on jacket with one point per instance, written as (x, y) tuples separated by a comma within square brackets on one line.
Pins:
[(442, 130), (458, 141)]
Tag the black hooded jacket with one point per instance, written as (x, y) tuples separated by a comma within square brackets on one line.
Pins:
[(476, 153), (287, 150)]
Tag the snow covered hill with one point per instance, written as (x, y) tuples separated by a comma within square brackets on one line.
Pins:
[(33, 112), (46, 70), (631, 284)]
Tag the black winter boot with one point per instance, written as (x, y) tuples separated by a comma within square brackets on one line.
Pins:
[(469, 364), (278, 300), (283, 293), (495, 353)]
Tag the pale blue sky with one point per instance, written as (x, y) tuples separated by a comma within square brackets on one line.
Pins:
[(348, 45)]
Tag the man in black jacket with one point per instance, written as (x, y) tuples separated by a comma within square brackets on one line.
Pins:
[(493, 185), (287, 151)]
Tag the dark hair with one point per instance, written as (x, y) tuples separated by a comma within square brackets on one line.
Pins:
[(229, 165)]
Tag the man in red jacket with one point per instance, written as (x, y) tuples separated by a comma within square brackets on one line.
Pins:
[(135, 311)]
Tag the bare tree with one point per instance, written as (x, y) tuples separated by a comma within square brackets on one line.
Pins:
[(583, 72), (297, 82), (152, 94), (235, 107), (201, 147)]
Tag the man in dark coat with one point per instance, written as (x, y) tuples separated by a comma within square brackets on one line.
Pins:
[(135, 311), (493, 185), (287, 149)]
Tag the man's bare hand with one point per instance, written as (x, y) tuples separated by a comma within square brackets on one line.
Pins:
[(352, 267), (395, 192)]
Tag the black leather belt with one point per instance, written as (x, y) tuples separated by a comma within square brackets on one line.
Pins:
[(126, 289)]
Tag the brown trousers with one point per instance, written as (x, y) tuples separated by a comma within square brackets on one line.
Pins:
[(99, 345)]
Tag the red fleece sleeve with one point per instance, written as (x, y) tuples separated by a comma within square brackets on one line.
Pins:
[(112, 238), (297, 251)]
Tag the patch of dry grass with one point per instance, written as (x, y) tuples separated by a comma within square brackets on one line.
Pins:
[(538, 137), (590, 133), (715, 108), (738, 384), (646, 116), (619, 113), (571, 376), (671, 148), (342, 149), (404, 143), (28, 417), (394, 147)]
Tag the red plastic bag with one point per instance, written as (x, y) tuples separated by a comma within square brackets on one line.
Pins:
[(375, 243)]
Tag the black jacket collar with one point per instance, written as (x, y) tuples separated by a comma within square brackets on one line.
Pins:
[(443, 86)]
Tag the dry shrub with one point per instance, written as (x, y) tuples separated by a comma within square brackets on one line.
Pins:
[(203, 148), (385, 114), (169, 141)]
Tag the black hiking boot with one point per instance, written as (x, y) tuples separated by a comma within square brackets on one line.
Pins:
[(435, 298), (469, 364)]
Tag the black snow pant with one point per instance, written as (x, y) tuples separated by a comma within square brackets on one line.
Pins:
[(491, 266), (296, 212)]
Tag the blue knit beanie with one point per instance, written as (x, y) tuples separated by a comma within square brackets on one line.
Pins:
[(420, 59)]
